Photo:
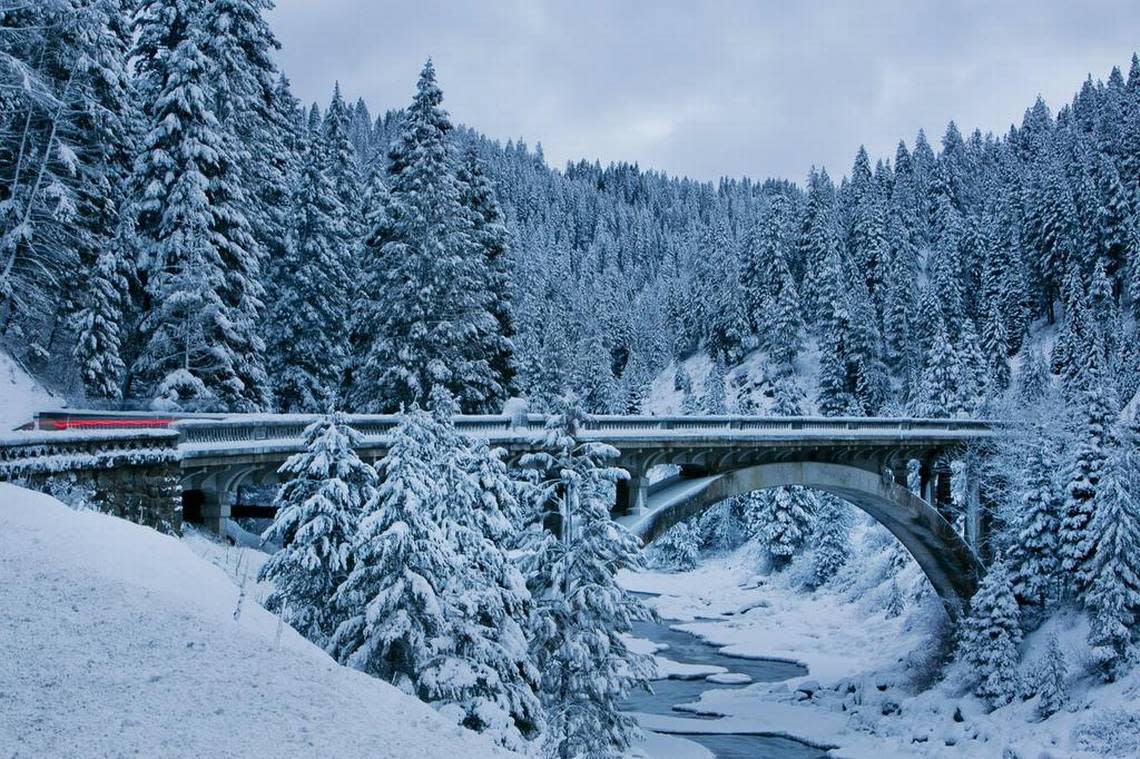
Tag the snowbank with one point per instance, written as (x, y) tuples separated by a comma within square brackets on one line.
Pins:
[(20, 395), (120, 641)]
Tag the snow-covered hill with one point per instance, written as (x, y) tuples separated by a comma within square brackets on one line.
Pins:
[(119, 641), (20, 394)]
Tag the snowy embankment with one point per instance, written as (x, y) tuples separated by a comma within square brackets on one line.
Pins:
[(20, 395), (862, 692), (120, 641)]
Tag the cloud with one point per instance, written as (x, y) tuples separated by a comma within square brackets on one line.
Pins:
[(712, 88)]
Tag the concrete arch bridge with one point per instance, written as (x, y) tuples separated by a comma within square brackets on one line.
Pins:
[(863, 460)]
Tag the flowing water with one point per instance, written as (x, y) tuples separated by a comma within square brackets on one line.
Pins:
[(668, 694)]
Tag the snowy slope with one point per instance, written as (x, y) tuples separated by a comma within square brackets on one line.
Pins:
[(20, 395), (120, 641)]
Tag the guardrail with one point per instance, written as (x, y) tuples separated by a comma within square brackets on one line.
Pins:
[(251, 429), (23, 454), (94, 445)]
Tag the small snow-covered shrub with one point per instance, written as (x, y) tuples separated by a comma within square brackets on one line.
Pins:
[(678, 549), (72, 492), (1049, 680), (1114, 732)]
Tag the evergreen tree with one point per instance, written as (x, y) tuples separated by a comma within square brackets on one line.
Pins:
[(398, 620), (315, 524), (831, 539), (200, 345), (1032, 555), (678, 549), (783, 335), (1113, 597), (434, 326), (1051, 675), (307, 346), (713, 399), (98, 347), (490, 234), (433, 604), (1085, 469), (582, 612), (783, 522), (1033, 377), (938, 391), (990, 636)]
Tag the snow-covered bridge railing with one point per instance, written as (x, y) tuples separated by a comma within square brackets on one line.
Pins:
[(30, 453)]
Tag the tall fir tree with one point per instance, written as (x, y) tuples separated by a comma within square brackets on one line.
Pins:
[(318, 509), (1083, 473), (200, 347), (434, 325), (989, 638), (1113, 596), (582, 613), (307, 346)]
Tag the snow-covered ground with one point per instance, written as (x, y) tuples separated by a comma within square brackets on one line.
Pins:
[(119, 641), (20, 395), (862, 693)]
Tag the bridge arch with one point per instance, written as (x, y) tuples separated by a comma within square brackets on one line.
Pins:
[(946, 559)]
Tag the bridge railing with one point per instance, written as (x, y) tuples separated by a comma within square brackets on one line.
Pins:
[(24, 454), (375, 428)]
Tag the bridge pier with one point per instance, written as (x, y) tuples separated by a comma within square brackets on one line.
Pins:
[(632, 495), (214, 508)]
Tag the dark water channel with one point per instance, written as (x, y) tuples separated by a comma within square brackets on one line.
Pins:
[(669, 694)]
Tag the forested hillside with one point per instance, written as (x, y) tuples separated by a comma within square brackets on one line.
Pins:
[(178, 229)]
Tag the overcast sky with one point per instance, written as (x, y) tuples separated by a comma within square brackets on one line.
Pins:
[(705, 88)]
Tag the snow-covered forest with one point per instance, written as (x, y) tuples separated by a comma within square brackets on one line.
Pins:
[(179, 232)]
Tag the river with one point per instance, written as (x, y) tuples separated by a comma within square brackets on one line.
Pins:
[(668, 694)]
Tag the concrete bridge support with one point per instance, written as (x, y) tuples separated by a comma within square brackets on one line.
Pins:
[(632, 494)]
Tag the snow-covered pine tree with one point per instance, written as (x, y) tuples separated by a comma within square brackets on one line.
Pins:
[(720, 526), (831, 541), (343, 166), (783, 522), (989, 638), (938, 389), (433, 604), (490, 234), (434, 325), (493, 685), (678, 549), (1113, 596), (398, 622), (1032, 553), (1032, 377), (98, 325), (200, 345), (713, 398), (581, 611), (1085, 468), (318, 509), (835, 391), (783, 336), (106, 123), (1050, 680), (307, 344)]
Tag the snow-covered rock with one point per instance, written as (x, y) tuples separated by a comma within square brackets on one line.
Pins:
[(119, 641)]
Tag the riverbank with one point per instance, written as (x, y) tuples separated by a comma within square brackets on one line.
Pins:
[(873, 686)]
